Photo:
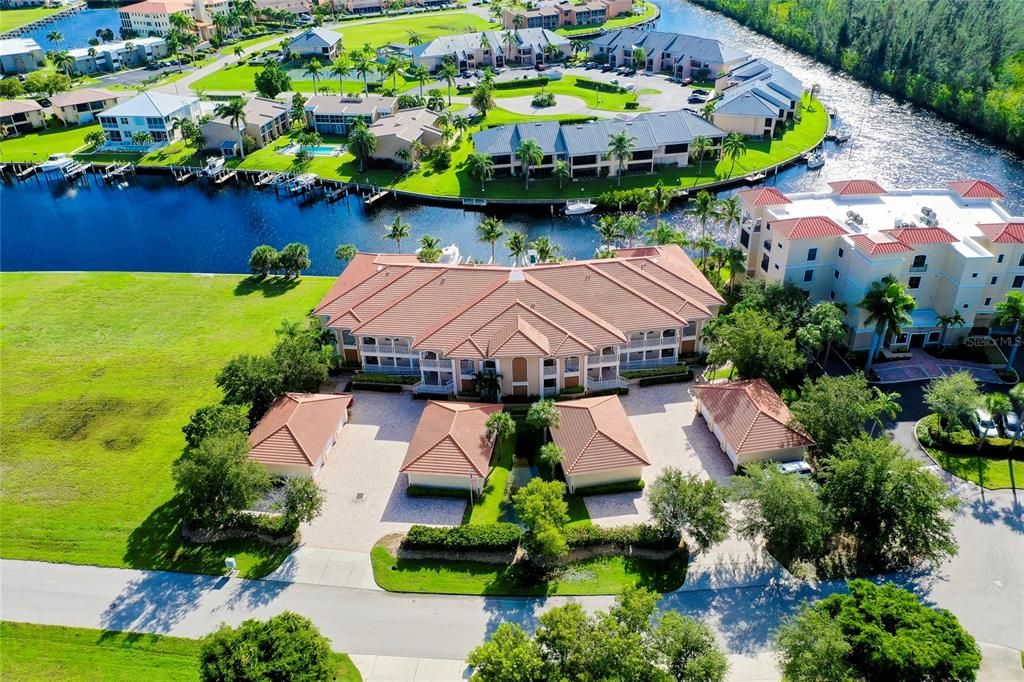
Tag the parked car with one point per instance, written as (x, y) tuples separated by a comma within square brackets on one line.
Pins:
[(466, 73), (541, 67), (1011, 425), (629, 87), (800, 468), (604, 69), (590, 65), (687, 81), (984, 424), (701, 94), (693, 99)]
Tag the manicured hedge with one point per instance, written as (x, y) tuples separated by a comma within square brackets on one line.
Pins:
[(609, 391), (602, 86), (382, 388), (654, 372), (276, 525), (431, 491), (963, 442), (611, 488), (572, 390), (484, 537), (638, 535), (372, 378), (666, 379)]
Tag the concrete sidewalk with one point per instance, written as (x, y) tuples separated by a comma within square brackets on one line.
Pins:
[(331, 567)]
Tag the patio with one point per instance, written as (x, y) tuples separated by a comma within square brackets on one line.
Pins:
[(922, 366)]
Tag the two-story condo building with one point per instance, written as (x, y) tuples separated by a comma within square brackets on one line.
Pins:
[(148, 112), (955, 249), (541, 328), (554, 14), (118, 55), (334, 114), (660, 139), (20, 55), (528, 46), (683, 55), (757, 98), (82, 105), (265, 121), (21, 115), (153, 17), (316, 42)]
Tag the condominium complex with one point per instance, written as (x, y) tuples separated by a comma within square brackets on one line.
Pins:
[(153, 17), (20, 55), (334, 114), (681, 55), (541, 328), (83, 105), (529, 47), (554, 14), (756, 98), (659, 139), (955, 249), (265, 121), (118, 55)]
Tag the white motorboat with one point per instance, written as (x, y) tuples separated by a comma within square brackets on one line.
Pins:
[(450, 254), (842, 135), (56, 162), (579, 207), (815, 160)]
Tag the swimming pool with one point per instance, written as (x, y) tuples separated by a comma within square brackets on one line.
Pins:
[(319, 150)]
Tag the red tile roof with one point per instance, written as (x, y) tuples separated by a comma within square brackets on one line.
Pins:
[(811, 227), (975, 189), (297, 428), (595, 435), (451, 439), (751, 416), (1003, 233), (868, 245), (848, 188), (922, 235), (764, 196)]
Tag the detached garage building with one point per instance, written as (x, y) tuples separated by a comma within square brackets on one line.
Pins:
[(450, 448), (751, 422), (598, 443), (295, 435)]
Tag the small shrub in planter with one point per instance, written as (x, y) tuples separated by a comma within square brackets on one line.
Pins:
[(482, 537), (654, 372), (544, 99), (611, 488)]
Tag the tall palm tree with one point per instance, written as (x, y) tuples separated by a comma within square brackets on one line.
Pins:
[(422, 74), (561, 172), (663, 233), (516, 245), (704, 209), (620, 147), (705, 243), (518, 20), (340, 67), (55, 37), (954, 319), (361, 142), (397, 231), (1011, 311), (708, 109), (998, 405), (885, 405), (529, 154), (607, 227), (490, 230), (363, 65), (656, 200), (234, 111), (736, 261), (449, 72), (509, 37), (62, 60), (630, 226), (183, 21), (483, 98), (699, 148), (313, 70), (734, 146), (391, 68), (547, 251), (888, 307), (461, 124), (480, 166), (730, 214)]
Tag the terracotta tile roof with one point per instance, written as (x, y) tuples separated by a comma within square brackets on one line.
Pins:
[(811, 227), (595, 435), (751, 416), (976, 189), (922, 235), (670, 265), (297, 428), (764, 196), (1004, 233), (82, 96), (451, 438), (849, 188), (867, 244), (158, 7)]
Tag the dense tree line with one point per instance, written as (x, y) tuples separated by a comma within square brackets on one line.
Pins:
[(964, 60)]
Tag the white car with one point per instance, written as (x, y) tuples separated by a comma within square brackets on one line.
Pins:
[(984, 424), (1011, 425), (800, 468)]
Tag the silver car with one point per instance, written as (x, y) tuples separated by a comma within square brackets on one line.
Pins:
[(984, 424), (1011, 425)]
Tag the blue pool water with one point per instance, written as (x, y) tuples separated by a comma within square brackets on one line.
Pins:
[(319, 150)]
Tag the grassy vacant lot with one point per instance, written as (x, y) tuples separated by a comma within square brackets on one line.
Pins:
[(11, 19), (36, 147), (100, 372), (45, 652), (576, 87)]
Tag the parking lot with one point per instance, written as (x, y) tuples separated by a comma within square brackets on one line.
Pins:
[(136, 76)]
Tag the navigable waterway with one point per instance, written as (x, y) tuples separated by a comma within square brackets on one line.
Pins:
[(152, 225)]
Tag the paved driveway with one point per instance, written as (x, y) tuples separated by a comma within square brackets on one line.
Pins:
[(366, 460)]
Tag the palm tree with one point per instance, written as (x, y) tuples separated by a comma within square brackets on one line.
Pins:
[(490, 230), (55, 37), (1011, 311), (340, 67), (430, 249), (885, 405), (518, 20), (183, 21), (480, 166), (414, 39), (62, 60), (449, 72), (954, 319), (708, 109), (488, 384), (734, 146), (529, 154), (313, 69), (361, 142), (345, 252), (736, 261), (482, 99), (546, 250), (461, 124), (729, 213), (620, 147), (705, 243), (998, 405), (516, 245), (550, 455), (397, 231), (238, 49), (704, 209), (888, 307), (663, 233), (234, 111), (509, 37), (630, 226), (562, 172), (699, 148), (391, 68), (422, 74), (656, 200), (363, 65), (607, 227)]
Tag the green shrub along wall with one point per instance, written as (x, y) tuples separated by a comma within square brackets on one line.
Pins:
[(484, 536), (610, 488)]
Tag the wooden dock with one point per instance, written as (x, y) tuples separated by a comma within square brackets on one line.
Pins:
[(224, 176), (266, 179), (117, 170), (374, 196), (27, 172), (76, 170)]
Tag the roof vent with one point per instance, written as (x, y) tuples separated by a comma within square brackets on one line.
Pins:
[(442, 281)]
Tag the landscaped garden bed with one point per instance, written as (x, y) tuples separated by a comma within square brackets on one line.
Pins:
[(993, 463)]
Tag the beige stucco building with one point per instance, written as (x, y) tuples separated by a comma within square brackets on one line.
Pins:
[(21, 115), (397, 134), (598, 443), (82, 106)]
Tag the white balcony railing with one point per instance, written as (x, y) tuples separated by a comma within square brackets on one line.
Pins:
[(661, 342), (549, 390), (550, 371), (390, 369), (605, 385), (385, 349), (435, 364), (441, 389), (648, 363), (602, 359)]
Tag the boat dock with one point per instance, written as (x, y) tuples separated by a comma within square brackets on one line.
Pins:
[(117, 170), (28, 172), (300, 184), (183, 174), (474, 202), (75, 170), (267, 178), (223, 176)]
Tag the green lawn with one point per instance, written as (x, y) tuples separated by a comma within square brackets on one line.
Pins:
[(100, 372), (649, 10), (46, 652), (492, 506), (11, 19), (607, 101), (993, 474), (36, 147), (344, 167), (605, 575)]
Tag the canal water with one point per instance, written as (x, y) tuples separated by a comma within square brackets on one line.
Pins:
[(78, 28), (155, 226)]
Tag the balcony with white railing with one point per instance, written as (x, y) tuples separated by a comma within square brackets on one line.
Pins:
[(659, 342), (603, 359), (550, 371), (391, 369), (648, 363), (549, 390), (426, 363), (436, 389), (605, 385), (385, 349)]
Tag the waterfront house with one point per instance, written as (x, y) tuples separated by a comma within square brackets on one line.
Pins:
[(265, 121), (21, 115), (296, 434), (153, 17), (450, 448), (316, 42), (954, 249), (681, 55), (756, 98), (334, 114), (20, 55), (554, 14), (119, 55), (82, 106), (528, 47), (148, 112), (661, 139), (599, 445), (751, 422), (396, 135), (541, 328)]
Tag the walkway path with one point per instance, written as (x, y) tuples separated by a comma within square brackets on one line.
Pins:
[(922, 366)]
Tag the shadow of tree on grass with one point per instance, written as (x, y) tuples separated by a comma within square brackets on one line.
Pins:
[(269, 287)]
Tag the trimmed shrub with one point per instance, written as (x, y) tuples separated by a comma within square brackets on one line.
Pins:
[(430, 491), (214, 420), (602, 86), (666, 379), (611, 488), (485, 536), (275, 525), (668, 370), (371, 378), (625, 197), (609, 391), (637, 536), (572, 390)]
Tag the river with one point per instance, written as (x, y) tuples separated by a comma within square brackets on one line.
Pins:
[(151, 225)]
